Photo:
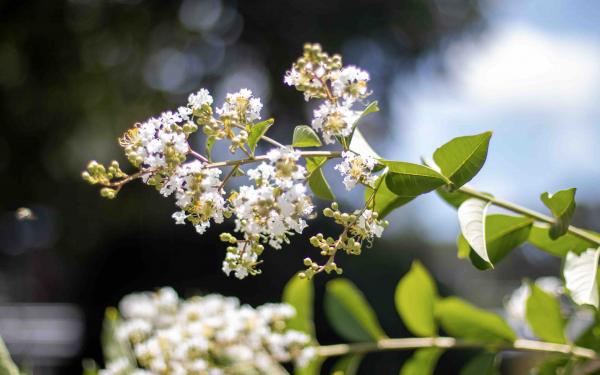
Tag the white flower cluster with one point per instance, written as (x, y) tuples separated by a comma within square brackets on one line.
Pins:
[(323, 77), (356, 168), (367, 226), (210, 335), (161, 142), (198, 194), (241, 106), (271, 210)]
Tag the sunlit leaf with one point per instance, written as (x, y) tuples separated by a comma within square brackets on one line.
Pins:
[(305, 136), (544, 316), (422, 362), (562, 206), (299, 293), (411, 180), (347, 365), (256, 131), (471, 217), (461, 319), (7, 366), (461, 158), (503, 233), (316, 179), (482, 364), (415, 299), (454, 198), (349, 313), (540, 238), (580, 276), (384, 201)]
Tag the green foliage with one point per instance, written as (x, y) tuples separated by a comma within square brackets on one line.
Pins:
[(210, 142), (422, 362), (580, 273), (299, 293), (384, 201), (316, 179), (349, 312), (461, 158), (256, 131), (454, 198), (416, 295), (360, 145), (482, 364), (305, 136), (7, 366), (312, 368), (411, 180), (562, 206), (540, 238), (472, 217), (461, 319), (503, 233), (560, 364), (544, 316), (347, 365)]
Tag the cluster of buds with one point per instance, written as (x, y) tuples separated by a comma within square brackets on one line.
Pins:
[(98, 174), (320, 76), (205, 335), (359, 228)]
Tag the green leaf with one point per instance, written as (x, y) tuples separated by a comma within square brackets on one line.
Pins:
[(472, 217), (349, 312), (385, 201), (114, 348), (461, 319), (210, 142), (544, 316), (410, 180), (370, 108), (256, 131), (540, 238), (422, 362), (580, 272), (316, 179), (560, 364), (415, 298), (347, 365), (305, 136), (482, 364), (562, 206), (7, 366), (503, 234), (299, 293), (461, 158)]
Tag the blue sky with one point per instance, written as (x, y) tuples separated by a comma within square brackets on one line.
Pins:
[(533, 77)]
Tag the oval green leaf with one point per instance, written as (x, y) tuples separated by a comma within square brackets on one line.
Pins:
[(347, 365), (415, 299), (461, 158), (540, 238), (305, 136), (349, 313), (299, 293), (482, 364), (580, 272), (544, 317), (461, 319), (316, 179), (256, 131), (411, 180), (422, 362), (384, 201), (562, 206)]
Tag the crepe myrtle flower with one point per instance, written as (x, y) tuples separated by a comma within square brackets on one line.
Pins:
[(209, 334), (274, 202)]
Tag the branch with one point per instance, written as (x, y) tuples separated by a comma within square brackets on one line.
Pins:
[(219, 164), (452, 343), (578, 232)]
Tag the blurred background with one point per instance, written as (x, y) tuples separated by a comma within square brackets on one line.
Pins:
[(75, 74)]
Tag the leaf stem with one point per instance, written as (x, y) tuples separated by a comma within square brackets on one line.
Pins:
[(578, 232), (452, 343)]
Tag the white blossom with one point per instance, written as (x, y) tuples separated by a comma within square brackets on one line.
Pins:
[(210, 335), (356, 168), (199, 99)]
